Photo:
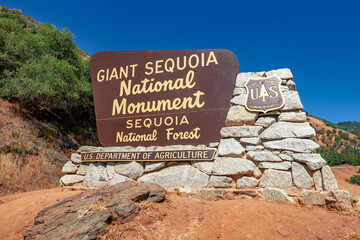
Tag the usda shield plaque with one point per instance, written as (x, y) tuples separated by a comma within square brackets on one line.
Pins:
[(264, 94)]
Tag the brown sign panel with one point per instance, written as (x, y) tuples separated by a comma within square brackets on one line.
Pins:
[(147, 98), (264, 94), (153, 156)]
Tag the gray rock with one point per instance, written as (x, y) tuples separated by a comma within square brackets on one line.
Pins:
[(232, 166), (301, 177), (283, 73), (254, 148), (313, 161), (71, 179), (239, 100), (275, 178), (247, 182), (82, 169), (214, 144), (153, 166), (181, 174), (221, 182), (117, 178), (238, 116), (284, 88), (291, 85), (203, 166), (253, 141), (241, 131), (292, 144), (242, 78), (96, 175), (257, 173), (110, 168), (132, 170), (211, 194), (230, 147), (275, 165), (176, 147), (239, 91), (265, 121), (292, 117), (69, 167), (75, 158), (292, 101), (263, 156), (329, 180), (89, 149), (311, 197), (343, 197), (285, 157), (318, 180), (275, 194), (282, 130)]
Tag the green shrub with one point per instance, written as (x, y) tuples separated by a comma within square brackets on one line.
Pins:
[(358, 171), (5, 9), (354, 180)]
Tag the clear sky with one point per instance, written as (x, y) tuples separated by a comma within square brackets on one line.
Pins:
[(318, 40)]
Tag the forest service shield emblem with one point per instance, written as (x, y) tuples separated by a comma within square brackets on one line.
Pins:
[(264, 94)]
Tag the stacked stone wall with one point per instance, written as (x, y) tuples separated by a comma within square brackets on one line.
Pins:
[(272, 153)]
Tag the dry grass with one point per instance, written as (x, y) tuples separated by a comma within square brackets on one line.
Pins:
[(27, 173)]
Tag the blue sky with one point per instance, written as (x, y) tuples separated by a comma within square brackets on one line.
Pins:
[(318, 40)]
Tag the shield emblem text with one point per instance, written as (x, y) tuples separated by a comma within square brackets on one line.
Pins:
[(264, 94)]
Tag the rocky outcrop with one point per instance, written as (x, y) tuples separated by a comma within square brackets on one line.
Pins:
[(86, 215)]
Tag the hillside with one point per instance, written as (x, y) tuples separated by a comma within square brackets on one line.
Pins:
[(337, 145)]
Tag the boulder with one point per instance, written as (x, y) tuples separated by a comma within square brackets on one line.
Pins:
[(343, 197), (117, 178), (265, 121), (292, 117), (263, 156), (253, 141), (247, 182), (239, 91), (311, 197), (329, 180), (232, 166), (82, 169), (96, 175), (110, 168), (282, 130), (230, 147), (293, 144), (283, 73), (203, 166), (221, 182), (313, 161), (69, 167), (318, 180), (239, 100), (275, 194), (241, 131), (67, 180), (292, 101), (181, 174), (75, 158), (242, 78), (238, 116), (276, 179), (301, 176), (275, 165), (153, 166), (132, 170)]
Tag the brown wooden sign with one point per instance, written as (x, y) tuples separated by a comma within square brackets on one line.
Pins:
[(153, 156), (146, 98), (264, 94)]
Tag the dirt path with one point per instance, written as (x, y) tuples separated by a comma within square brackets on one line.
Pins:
[(18, 211), (186, 218)]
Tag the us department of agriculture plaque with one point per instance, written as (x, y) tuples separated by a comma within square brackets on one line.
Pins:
[(147, 98), (264, 94)]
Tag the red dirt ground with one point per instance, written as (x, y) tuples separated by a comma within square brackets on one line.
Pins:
[(187, 218)]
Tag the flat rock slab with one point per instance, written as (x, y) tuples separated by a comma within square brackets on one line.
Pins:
[(86, 215)]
